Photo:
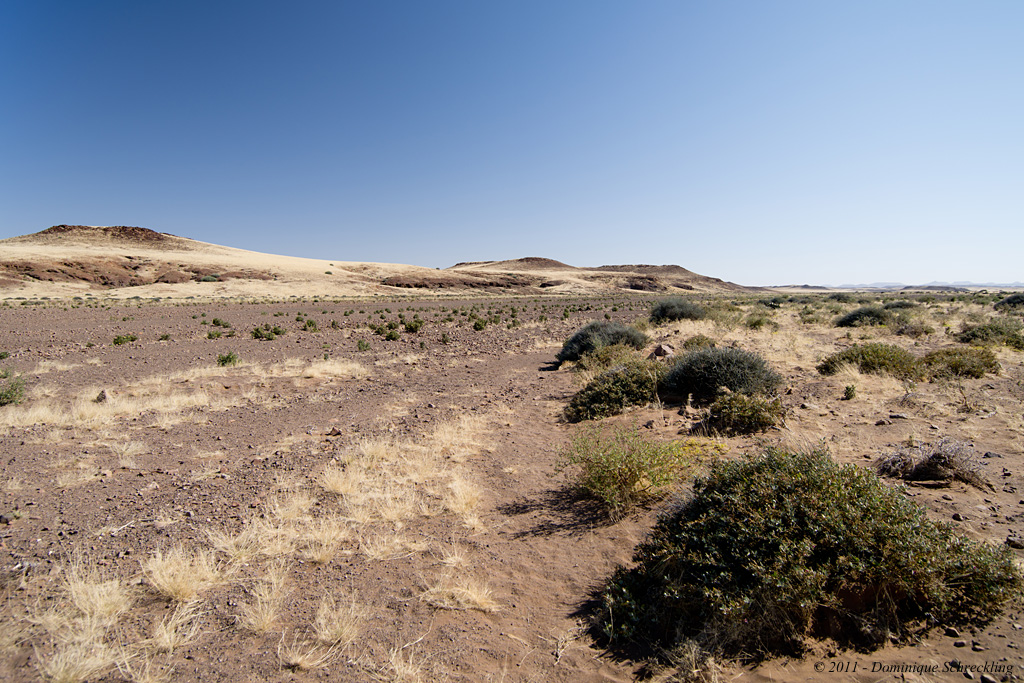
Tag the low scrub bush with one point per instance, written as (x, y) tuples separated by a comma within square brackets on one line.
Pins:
[(226, 359), (907, 326), (997, 331), (874, 358), (620, 468), (597, 334), (1012, 301), (733, 414), (961, 362), (124, 339), (698, 341), (670, 310), (632, 383), (605, 358), (703, 372), (864, 316), (267, 333), (771, 549), (899, 305), (12, 388)]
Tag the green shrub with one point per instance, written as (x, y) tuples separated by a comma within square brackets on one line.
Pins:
[(479, 324), (758, 321), (899, 304), (12, 388), (998, 331), (849, 392), (597, 334), (633, 383), (910, 327), (771, 549), (734, 414), (4, 355), (961, 362), (363, 345), (866, 315), (414, 325), (622, 469), (1012, 301), (604, 358), (210, 278), (703, 372), (874, 358), (311, 326), (164, 337), (226, 359), (698, 341), (267, 333), (213, 334), (669, 310), (392, 335), (124, 339)]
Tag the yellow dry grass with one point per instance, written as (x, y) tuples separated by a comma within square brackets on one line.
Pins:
[(178, 629), (339, 622), (182, 575), (261, 613), (459, 593)]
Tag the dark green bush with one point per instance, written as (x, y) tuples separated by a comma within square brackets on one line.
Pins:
[(899, 304), (911, 327), (669, 310), (226, 359), (997, 331), (961, 362), (124, 339), (702, 372), (734, 414), (1012, 301), (414, 325), (771, 549), (698, 341), (866, 315), (597, 334), (874, 358), (633, 383), (213, 334), (267, 333), (12, 388)]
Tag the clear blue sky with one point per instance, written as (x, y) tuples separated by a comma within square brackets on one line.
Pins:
[(764, 142)]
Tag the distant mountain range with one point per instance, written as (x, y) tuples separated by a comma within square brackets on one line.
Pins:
[(958, 283)]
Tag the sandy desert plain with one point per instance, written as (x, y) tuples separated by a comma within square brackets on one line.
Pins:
[(184, 501)]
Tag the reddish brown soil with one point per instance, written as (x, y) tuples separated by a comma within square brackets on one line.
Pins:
[(542, 550)]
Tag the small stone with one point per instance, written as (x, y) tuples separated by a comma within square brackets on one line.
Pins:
[(969, 674), (101, 397), (952, 632), (946, 496), (883, 421), (959, 643), (978, 648), (4, 519), (985, 678), (957, 517), (1014, 542), (898, 416)]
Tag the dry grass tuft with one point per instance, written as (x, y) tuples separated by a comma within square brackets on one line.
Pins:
[(75, 662), (181, 575), (178, 629), (294, 507), (339, 623), (303, 656), (322, 538), (95, 596), (261, 614), (334, 369), (460, 593), (389, 547)]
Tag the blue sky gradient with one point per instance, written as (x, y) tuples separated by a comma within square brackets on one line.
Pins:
[(760, 142)]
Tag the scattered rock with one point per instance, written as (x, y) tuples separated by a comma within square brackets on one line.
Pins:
[(1015, 542), (957, 517), (952, 632), (663, 350), (883, 421), (991, 454), (101, 397), (959, 643), (898, 416), (985, 678)]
